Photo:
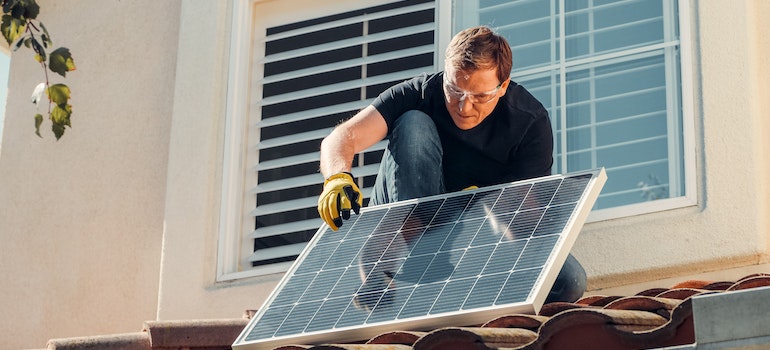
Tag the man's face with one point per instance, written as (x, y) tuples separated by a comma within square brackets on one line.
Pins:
[(470, 96)]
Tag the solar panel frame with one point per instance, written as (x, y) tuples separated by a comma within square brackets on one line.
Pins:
[(421, 254)]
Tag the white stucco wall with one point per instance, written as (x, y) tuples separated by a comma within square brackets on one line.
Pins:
[(188, 273), (81, 219)]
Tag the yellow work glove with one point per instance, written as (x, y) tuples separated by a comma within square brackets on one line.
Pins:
[(340, 195)]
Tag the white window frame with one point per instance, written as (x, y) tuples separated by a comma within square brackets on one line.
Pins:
[(237, 202), (233, 215)]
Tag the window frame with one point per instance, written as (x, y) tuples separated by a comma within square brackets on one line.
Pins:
[(233, 217)]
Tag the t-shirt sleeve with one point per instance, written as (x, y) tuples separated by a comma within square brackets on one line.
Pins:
[(398, 99)]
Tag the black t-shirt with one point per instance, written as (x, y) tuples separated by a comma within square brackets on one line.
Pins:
[(514, 142)]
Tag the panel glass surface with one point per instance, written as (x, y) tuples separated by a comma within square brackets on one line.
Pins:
[(425, 258)]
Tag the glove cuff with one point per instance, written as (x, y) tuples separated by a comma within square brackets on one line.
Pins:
[(342, 175)]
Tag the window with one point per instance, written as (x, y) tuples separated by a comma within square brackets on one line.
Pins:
[(610, 74)]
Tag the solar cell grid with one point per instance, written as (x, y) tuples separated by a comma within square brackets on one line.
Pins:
[(416, 260)]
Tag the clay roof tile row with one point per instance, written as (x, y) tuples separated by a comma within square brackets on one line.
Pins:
[(656, 317)]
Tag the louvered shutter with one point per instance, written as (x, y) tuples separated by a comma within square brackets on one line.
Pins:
[(317, 73)]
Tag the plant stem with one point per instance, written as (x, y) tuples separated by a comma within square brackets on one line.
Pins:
[(42, 62)]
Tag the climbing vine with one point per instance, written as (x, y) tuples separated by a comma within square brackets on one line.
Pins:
[(20, 27)]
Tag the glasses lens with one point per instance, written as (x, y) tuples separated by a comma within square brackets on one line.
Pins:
[(455, 94), (481, 98)]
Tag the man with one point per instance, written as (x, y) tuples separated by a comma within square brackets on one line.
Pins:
[(468, 126)]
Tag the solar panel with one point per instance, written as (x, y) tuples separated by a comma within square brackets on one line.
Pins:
[(455, 259)]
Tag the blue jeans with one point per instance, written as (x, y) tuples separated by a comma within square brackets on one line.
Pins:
[(411, 168), (411, 165)]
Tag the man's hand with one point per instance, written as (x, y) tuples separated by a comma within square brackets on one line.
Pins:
[(340, 195)]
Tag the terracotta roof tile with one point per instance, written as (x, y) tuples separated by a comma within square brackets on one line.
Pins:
[(475, 338), (531, 322), (597, 300), (552, 309), (651, 304), (680, 293), (694, 284), (656, 317), (718, 286), (595, 329), (397, 337), (652, 292), (753, 281)]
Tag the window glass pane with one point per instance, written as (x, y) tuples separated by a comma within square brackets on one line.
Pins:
[(538, 47), (612, 26), (613, 94)]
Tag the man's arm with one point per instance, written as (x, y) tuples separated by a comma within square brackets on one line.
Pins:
[(356, 134), (341, 194)]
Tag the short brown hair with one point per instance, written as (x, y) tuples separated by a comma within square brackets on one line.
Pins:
[(480, 48)]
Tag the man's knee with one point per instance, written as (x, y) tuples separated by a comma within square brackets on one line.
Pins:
[(570, 284), (414, 123), (411, 166), (414, 140)]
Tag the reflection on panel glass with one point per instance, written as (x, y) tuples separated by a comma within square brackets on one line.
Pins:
[(462, 251)]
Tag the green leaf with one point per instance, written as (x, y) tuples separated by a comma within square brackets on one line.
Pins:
[(59, 94), (58, 130), (8, 5), (22, 9), (17, 10), (31, 8), (60, 115), (40, 57), (20, 41), (38, 122), (46, 37), (60, 61), (12, 28)]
